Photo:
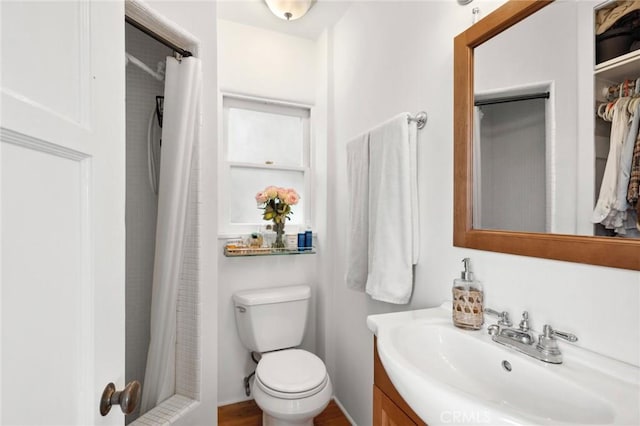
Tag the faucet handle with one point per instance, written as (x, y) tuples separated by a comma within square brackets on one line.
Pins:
[(548, 344), (550, 332), (503, 317), (524, 323)]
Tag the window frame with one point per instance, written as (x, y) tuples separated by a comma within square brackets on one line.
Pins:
[(229, 100)]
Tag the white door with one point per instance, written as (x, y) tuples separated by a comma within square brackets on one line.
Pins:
[(62, 210)]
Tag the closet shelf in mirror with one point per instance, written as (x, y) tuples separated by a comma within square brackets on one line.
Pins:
[(619, 67)]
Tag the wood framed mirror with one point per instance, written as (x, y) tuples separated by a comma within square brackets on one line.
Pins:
[(603, 251)]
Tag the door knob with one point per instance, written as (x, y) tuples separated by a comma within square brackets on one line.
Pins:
[(127, 398)]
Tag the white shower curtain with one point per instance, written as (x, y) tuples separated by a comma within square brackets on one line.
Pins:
[(180, 131)]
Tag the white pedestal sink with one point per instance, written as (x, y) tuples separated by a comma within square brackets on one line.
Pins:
[(454, 376)]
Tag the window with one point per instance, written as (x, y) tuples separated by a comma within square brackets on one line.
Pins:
[(265, 143)]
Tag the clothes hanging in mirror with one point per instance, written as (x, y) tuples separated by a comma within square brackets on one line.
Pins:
[(617, 205)]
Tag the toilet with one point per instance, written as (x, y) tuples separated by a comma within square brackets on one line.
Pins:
[(291, 385)]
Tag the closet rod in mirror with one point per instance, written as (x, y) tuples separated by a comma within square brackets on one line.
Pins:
[(505, 99)]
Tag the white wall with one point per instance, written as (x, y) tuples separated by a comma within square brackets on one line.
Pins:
[(520, 57), (321, 123), (266, 64), (398, 56), (199, 19), (142, 203)]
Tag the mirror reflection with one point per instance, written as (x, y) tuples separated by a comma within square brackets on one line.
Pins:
[(541, 161)]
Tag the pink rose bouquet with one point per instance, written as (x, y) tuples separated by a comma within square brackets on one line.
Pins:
[(276, 204)]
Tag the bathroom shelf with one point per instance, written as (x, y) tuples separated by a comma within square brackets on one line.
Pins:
[(264, 251)]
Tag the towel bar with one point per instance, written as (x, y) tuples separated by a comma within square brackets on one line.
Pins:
[(420, 118)]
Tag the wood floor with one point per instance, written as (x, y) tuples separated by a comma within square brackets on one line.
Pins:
[(247, 413)]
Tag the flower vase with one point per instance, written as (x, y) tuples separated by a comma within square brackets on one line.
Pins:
[(279, 230)]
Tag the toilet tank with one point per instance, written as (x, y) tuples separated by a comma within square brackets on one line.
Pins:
[(272, 318)]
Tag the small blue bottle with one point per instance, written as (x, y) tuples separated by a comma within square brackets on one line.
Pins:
[(308, 240), (301, 241)]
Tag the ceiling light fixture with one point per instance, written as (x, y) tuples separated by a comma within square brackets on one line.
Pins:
[(289, 10)]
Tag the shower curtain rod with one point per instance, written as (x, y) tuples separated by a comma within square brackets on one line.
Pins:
[(181, 51), (541, 95), (137, 62)]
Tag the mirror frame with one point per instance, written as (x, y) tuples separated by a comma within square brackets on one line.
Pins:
[(603, 251)]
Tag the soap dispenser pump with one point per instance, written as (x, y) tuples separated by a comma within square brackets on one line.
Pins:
[(468, 310)]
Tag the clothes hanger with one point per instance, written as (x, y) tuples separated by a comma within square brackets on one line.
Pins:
[(601, 109), (635, 98), (608, 112)]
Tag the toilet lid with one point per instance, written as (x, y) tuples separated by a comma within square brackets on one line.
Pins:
[(291, 371)]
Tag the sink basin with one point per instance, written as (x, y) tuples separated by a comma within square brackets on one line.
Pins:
[(449, 375)]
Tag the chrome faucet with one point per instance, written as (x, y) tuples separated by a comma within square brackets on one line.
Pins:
[(523, 333), (523, 340), (503, 317)]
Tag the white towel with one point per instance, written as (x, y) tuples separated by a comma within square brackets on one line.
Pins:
[(358, 186), (390, 277), (415, 205)]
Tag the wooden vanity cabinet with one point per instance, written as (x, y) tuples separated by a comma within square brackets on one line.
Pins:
[(389, 409)]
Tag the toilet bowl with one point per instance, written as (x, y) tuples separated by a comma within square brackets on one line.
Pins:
[(291, 387)]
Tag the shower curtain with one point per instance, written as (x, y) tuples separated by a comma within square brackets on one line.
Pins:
[(180, 131)]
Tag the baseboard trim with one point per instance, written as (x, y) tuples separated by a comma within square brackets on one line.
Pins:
[(346, 413)]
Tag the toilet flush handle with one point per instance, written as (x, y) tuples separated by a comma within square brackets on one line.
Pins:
[(241, 309)]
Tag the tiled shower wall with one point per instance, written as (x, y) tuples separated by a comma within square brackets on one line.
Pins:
[(142, 203), (188, 319)]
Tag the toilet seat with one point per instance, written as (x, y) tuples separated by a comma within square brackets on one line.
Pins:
[(291, 374)]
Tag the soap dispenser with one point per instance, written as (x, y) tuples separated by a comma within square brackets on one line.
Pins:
[(468, 311)]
